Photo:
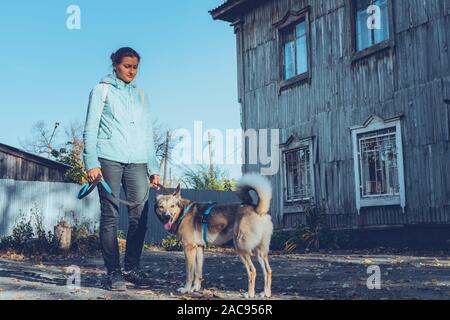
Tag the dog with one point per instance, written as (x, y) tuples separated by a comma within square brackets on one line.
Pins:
[(249, 225)]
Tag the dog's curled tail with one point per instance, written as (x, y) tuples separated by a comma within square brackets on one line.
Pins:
[(261, 185)]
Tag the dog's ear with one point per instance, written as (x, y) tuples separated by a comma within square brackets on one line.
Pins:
[(158, 196), (177, 192)]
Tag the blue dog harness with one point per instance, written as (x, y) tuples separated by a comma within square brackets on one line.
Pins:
[(184, 212), (205, 218)]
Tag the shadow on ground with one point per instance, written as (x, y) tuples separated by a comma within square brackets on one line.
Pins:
[(308, 276)]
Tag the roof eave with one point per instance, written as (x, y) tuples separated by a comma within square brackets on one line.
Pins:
[(231, 10), (32, 157)]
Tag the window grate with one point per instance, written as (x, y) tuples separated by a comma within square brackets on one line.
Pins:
[(298, 177), (379, 163)]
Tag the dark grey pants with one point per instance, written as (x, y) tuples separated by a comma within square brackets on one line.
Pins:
[(135, 184)]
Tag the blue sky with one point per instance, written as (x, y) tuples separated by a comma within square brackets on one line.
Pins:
[(188, 65)]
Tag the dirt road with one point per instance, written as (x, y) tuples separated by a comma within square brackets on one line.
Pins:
[(308, 276)]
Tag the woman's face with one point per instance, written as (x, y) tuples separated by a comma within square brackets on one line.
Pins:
[(127, 69)]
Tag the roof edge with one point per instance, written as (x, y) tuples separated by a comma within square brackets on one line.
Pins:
[(32, 157), (231, 9)]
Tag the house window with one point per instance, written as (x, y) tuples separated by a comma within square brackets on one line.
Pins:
[(298, 177), (293, 47), (372, 23), (295, 53), (298, 169), (378, 163)]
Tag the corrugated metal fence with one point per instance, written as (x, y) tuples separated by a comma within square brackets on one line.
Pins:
[(57, 200)]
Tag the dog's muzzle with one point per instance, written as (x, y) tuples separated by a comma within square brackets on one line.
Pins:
[(166, 217)]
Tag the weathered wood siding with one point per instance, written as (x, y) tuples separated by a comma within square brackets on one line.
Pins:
[(412, 79), (18, 168)]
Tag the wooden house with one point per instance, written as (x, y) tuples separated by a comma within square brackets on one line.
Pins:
[(360, 91), (16, 164)]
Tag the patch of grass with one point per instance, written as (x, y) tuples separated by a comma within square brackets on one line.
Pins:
[(171, 243)]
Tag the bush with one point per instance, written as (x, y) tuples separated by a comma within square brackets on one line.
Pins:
[(279, 239), (86, 246), (30, 238), (6, 243), (312, 236), (85, 238), (121, 235), (171, 243)]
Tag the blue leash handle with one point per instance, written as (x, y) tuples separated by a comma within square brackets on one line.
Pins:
[(87, 188), (106, 186)]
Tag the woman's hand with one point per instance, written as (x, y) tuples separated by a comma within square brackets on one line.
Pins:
[(155, 181), (94, 174)]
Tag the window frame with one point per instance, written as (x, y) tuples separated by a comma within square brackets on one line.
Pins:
[(291, 145), (373, 124), (290, 20), (360, 143), (381, 46)]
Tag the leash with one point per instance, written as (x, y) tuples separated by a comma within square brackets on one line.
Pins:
[(89, 187)]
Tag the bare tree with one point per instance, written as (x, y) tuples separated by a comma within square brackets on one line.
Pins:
[(74, 137), (41, 139), (46, 141), (160, 132)]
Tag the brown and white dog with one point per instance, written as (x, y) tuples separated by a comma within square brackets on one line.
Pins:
[(249, 225)]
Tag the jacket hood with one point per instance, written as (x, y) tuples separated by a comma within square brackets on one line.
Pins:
[(116, 82)]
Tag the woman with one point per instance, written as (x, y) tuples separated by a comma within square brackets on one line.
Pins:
[(118, 139)]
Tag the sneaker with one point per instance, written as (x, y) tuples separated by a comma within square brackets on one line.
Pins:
[(115, 282), (137, 277)]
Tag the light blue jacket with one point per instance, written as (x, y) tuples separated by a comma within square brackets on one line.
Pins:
[(119, 128)]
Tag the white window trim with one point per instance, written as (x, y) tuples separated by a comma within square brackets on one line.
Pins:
[(292, 144), (375, 123)]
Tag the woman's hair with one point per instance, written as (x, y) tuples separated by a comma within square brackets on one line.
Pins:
[(117, 56)]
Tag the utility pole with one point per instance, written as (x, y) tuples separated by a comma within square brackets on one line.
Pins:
[(211, 162), (166, 156), (49, 146)]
